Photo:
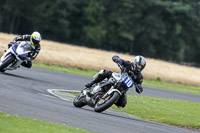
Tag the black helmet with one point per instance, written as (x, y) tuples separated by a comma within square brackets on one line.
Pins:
[(139, 63)]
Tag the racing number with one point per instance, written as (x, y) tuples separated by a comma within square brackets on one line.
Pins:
[(129, 82)]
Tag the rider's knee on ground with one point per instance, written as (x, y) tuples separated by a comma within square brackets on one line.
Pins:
[(27, 64), (121, 102)]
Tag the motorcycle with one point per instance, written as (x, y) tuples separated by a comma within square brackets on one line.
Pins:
[(14, 56), (106, 93)]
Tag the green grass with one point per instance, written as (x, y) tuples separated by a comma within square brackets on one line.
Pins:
[(162, 110), (151, 83), (15, 124), (175, 112), (73, 70), (172, 86)]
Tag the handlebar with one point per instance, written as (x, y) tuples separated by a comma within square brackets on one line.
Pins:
[(124, 70), (121, 67)]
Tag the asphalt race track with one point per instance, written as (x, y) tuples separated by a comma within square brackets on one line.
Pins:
[(24, 92)]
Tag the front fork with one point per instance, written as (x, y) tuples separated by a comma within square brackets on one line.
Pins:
[(108, 94), (6, 53)]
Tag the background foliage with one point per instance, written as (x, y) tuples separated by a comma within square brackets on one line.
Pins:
[(164, 29)]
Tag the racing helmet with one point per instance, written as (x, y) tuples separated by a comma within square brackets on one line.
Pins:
[(139, 63), (35, 38)]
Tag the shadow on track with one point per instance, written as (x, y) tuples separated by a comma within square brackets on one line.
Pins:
[(118, 115)]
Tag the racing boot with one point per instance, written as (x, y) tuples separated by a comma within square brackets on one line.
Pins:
[(99, 78), (88, 85)]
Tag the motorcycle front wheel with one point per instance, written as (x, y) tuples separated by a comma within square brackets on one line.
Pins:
[(79, 100), (6, 63), (107, 102)]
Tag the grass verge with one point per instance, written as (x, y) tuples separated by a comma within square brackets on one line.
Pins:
[(179, 113), (151, 83), (15, 124), (173, 112), (67, 69), (172, 86)]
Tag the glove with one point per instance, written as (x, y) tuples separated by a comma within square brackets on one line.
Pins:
[(115, 58), (10, 44), (138, 88), (131, 73)]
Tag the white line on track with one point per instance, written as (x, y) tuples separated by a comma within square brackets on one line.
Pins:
[(51, 91), (46, 95)]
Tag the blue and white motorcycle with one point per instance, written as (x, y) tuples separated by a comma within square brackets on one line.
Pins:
[(15, 55), (105, 93)]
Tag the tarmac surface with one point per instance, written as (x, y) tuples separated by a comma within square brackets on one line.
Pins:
[(24, 92)]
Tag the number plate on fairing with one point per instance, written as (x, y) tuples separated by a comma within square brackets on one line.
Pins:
[(128, 82)]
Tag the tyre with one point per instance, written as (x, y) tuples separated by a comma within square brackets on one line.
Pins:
[(79, 100), (104, 104), (6, 63)]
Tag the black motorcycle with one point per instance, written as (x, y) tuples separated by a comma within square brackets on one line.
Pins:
[(103, 95)]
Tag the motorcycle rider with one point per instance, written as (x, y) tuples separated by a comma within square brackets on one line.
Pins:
[(34, 39), (132, 68)]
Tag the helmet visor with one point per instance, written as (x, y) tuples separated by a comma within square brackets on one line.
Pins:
[(139, 66), (35, 42)]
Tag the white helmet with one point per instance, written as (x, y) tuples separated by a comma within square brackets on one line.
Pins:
[(139, 63), (35, 38)]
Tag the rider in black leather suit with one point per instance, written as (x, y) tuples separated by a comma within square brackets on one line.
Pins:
[(132, 68)]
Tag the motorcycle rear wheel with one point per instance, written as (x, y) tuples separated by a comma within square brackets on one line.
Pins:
[(99, 107)]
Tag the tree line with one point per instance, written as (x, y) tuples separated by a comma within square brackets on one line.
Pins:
[(162, 29)]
